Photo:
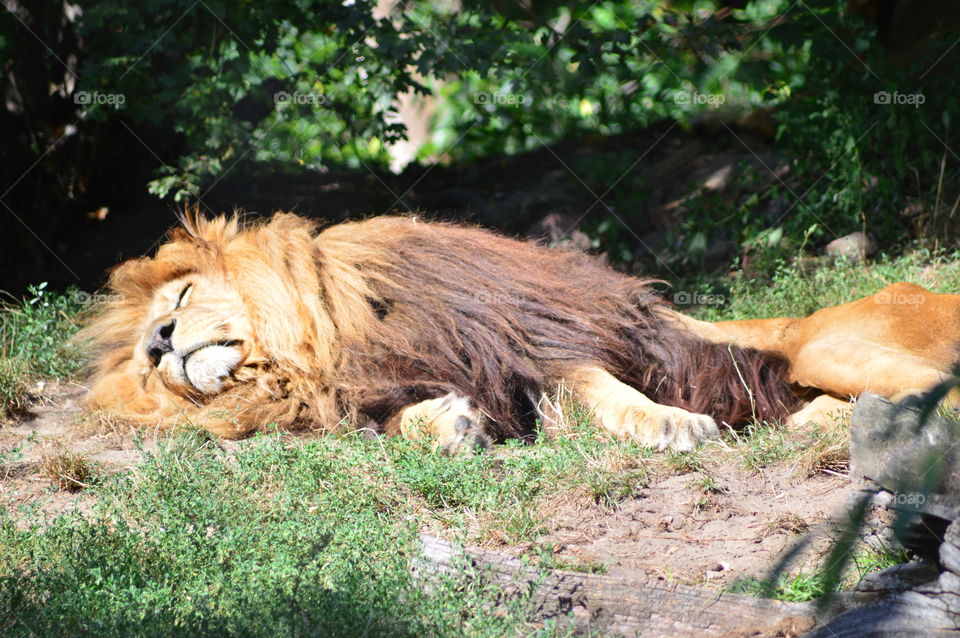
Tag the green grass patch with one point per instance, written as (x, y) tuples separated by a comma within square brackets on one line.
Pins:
[(684, 462), (14, 379), (285, 536), (37, 330), (549, 560), (796, 588), (764, 444), (708, 486), (802, 587), (608, 489), (34, 343), (792, 291), (876, 559), (507, 490)]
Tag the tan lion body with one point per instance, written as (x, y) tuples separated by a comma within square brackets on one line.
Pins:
[(902, 340), (459, 334)]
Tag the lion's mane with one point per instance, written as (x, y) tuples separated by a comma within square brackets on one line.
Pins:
[(365, 318)]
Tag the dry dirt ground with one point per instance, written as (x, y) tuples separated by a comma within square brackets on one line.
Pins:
[(675, 531), (709, 524)]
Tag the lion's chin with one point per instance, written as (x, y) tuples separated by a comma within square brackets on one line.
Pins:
[(205, 370)]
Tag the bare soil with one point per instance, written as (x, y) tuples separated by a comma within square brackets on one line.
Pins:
[(675, 530), (55, 423)]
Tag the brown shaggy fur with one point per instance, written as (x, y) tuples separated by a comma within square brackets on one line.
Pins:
[(366, 318)]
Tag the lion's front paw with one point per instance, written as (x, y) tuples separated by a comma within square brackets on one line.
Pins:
[(664, 427), (450, 422)]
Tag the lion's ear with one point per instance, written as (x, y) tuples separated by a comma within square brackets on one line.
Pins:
[(190, 236), (132, 277)]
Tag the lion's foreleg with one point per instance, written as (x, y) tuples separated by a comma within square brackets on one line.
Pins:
[(451, 423), (628, 413)]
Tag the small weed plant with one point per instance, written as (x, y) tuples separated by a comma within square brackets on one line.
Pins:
[(35, 344)]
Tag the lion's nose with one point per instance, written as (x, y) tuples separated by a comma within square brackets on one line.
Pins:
[(160, 343)]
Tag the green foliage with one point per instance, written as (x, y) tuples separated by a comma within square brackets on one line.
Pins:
[(205, 90), (276, 83), (34, 343), (593, 67), (285, 83), (874, 133), (36, 333), (13, 386), (870, 136), (863, 139)]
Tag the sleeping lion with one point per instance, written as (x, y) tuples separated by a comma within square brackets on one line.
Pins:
[(459, 335)]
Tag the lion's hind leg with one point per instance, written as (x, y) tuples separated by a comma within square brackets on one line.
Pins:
[(451, 423), (824, 411), (626, 412)]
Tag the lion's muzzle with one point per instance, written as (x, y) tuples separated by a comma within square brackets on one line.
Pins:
[(195, 362)]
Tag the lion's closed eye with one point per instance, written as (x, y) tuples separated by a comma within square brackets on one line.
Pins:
[(184, 297)]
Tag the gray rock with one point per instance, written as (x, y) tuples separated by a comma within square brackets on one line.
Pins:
[(855, 247), (890, 446)]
